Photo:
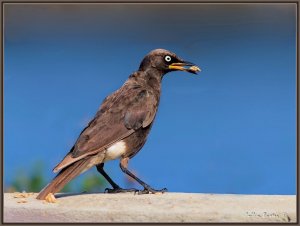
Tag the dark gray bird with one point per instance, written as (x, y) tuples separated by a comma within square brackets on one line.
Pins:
[(121, 125)]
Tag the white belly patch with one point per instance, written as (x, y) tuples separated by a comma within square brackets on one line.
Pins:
[(115, 151)]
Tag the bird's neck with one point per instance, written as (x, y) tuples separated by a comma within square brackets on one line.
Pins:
[(148, 78), (152, 78)]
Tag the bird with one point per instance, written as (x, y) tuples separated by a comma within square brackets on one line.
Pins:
[(121, 126)]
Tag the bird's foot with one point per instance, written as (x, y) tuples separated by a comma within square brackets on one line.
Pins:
[(149, 190), (120, 190)]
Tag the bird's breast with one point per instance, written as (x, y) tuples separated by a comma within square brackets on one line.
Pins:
[(116, 150)]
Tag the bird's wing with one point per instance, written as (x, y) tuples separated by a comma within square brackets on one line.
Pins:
[(141, 111), (120, 115)]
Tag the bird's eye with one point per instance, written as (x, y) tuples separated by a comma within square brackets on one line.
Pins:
[(168, 58)]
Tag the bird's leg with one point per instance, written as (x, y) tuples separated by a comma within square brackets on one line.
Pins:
[(147, 188), (116, 188)]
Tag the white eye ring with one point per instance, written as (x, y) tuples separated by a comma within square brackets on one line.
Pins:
[(168, 58)]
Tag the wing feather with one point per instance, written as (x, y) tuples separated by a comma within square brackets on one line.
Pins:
[(120, 114)]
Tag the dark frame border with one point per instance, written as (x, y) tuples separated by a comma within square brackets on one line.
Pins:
[(144, 2)]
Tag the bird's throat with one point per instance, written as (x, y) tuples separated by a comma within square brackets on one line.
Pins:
[(153, 79)]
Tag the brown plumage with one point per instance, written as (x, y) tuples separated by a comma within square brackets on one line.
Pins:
[(121, 125)]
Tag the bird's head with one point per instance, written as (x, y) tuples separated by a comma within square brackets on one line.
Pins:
[(166, 61)]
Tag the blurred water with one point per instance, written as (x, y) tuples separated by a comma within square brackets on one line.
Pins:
[(231, 129)]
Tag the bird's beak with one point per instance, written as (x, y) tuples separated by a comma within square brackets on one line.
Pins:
[(185, 66)]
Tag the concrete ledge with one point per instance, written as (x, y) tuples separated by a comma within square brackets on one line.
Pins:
[(169, 207)]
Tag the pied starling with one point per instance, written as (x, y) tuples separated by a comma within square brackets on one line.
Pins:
[(121, 125)]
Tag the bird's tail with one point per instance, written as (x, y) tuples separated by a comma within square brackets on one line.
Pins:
[(63, 177)]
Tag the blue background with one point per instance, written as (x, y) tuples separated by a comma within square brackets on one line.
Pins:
[(230, 129)]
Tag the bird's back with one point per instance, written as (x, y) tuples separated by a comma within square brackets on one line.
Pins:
[(131, 109)]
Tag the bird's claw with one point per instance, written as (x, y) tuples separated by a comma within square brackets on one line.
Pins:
[(119, 190), (150, 190)]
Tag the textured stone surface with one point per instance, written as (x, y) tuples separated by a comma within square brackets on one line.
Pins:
[(169, 207)]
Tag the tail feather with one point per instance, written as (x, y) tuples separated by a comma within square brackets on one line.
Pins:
[(63, 177)]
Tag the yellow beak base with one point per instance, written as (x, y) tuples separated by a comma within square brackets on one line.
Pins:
[(185, 67)]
